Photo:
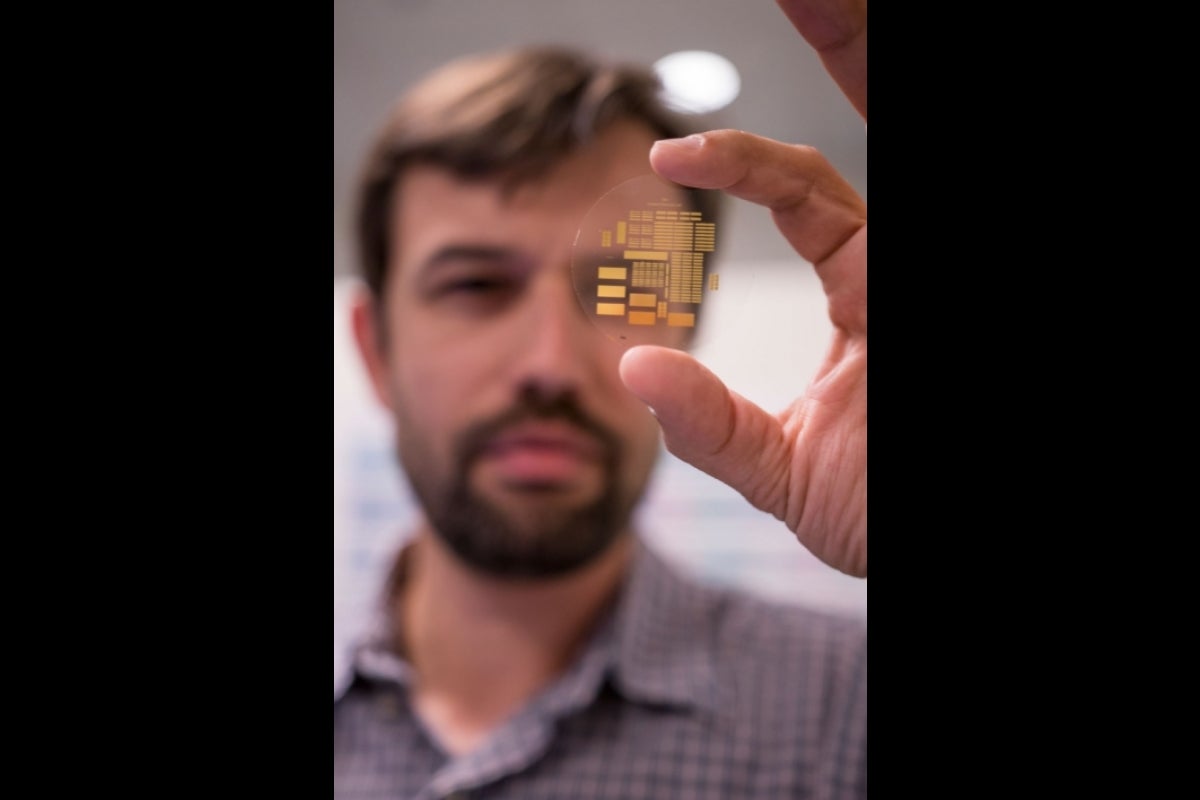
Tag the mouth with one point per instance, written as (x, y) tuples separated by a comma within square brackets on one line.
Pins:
[(541, 454)]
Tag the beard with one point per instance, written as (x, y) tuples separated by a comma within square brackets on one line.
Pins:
[(542, 540)]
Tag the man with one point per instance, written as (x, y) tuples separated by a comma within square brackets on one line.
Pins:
[(530, 645)]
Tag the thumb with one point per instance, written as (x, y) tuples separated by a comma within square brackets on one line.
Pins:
[(712, 428)]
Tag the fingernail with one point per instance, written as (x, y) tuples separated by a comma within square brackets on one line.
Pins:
[(693, 142)]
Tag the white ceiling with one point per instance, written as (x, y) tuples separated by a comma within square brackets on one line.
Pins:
[(380, 47)]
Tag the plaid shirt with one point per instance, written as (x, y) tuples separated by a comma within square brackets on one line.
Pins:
[(684, 691)]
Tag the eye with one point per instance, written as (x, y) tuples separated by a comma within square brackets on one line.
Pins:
[(472, 280), (475, 292), (477, 286)]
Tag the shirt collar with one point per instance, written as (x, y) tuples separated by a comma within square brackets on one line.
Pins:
[(362, 646), (658, 649), (664, 636)]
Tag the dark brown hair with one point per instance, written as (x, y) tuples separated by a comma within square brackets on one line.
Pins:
[(509, 116)]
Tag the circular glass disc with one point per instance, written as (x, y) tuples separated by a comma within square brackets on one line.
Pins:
[(642, 264)]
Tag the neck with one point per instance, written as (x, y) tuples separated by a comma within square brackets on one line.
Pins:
[(482, 646)]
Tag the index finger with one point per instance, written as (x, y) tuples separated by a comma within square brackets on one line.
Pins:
[(837, 30), (815, 208)]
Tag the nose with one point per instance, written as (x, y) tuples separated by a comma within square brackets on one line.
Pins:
[(557, 343)]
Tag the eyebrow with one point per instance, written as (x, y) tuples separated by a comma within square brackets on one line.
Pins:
[(466, 252)]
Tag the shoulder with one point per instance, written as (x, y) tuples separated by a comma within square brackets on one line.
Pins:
[(782, 685), (749, 633), (754, 626), (792, 678)]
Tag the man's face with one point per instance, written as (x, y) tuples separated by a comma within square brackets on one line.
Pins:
[(516, 433)]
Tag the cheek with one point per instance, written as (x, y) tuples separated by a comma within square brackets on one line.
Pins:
[(424, 395), (427, 393)]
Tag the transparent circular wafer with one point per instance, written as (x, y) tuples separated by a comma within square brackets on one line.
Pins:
[(644, 266)]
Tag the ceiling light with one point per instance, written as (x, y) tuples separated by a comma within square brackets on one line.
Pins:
[(697, 81)]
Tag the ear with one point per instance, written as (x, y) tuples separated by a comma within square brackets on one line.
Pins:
[(368, 335)]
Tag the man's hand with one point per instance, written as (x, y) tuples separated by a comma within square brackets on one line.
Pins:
[(837, 30), (807, 464)]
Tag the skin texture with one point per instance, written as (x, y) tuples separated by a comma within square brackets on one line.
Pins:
[(837, 30)]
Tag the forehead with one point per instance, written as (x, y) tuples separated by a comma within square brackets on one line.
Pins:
[(434, 207)]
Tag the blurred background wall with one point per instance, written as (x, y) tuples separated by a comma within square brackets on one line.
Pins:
[(765, 347)]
